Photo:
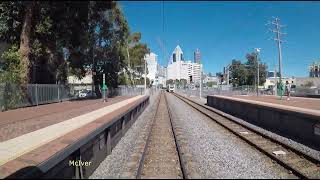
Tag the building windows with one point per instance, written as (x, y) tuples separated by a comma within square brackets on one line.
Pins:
[(174, 57), (314, 70)]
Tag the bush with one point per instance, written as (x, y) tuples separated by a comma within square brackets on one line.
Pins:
[(11, 66), (308, 84), (10, 90)]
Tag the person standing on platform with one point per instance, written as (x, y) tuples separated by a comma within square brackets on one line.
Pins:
[(288, 90)]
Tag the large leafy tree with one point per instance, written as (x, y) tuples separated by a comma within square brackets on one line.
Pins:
[(246, 74), (66, 37), (136, 52), (109, 31), (170, 81), (239, 73), (220, 76), (41, 30), (252, 65)]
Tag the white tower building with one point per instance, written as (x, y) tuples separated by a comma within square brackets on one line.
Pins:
[(156, 73), (152, 66), (178, 68)]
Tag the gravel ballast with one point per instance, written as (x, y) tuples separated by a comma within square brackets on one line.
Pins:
[(217, 152), (116, 163), (307, 150)]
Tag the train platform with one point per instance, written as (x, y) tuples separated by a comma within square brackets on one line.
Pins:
[(297, 118), (66, 123), (300, 102), (20, 121)]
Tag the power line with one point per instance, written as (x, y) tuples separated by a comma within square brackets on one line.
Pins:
[(277, 30)]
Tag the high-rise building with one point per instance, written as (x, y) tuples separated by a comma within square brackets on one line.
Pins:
[(197, 56), (177, 55), (156, 73), (181, 69)]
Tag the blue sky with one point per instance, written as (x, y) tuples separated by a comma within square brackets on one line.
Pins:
[(227, 30)]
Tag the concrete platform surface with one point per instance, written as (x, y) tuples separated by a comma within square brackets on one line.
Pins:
[(307, 103), (18, 146), (21, 121), (271, 101)]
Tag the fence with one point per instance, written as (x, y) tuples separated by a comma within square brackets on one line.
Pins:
[(228, 91), (306, 92), (15, 96), (125, 91)]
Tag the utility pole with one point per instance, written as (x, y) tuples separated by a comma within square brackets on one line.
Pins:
[(258, 79), (275, 79), (92, 70), (277, 29), (200, 80)]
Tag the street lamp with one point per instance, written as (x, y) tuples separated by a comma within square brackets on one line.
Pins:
[(227, 70), (257, 50), (200, 89)]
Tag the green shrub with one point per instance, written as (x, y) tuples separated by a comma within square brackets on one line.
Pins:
[(12, 94)]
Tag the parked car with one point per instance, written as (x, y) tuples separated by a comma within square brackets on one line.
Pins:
[(268, 91), (293, 88), (85, 93)]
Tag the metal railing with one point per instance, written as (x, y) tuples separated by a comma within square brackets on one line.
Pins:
[(125, 91), (228, 91), (14, 96), (306, 92)]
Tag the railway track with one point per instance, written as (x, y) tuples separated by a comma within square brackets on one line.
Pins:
[(161, 157), (297, 162)]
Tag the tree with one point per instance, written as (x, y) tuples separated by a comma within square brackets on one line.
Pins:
[(210, 84), (177, 82), (9, 77), (169, 81), (110, 31), (252, 69), (308, 84), (141, 81), (137, 52), (87, 31), (11, 66), (220, 76), (134, 52), (183, 83), (238, 73), (25, 41)]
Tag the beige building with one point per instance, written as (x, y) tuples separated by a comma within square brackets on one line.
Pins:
[(303, 80), (314, 69), (80, 84), (271, 81)]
